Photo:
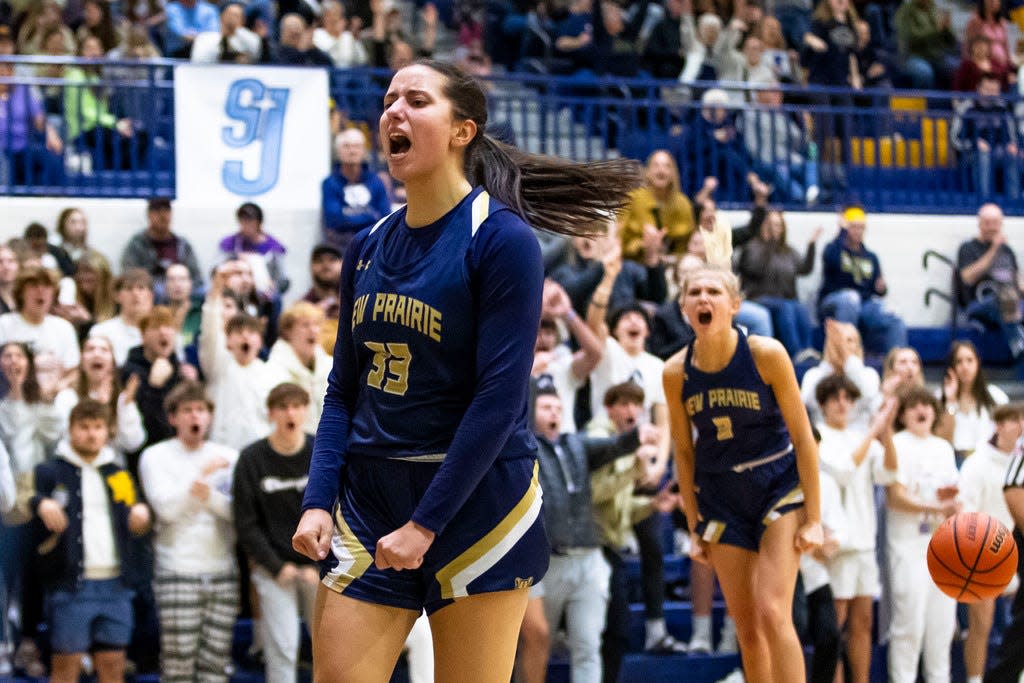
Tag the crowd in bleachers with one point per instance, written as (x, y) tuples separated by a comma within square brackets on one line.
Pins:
[(188, 364)]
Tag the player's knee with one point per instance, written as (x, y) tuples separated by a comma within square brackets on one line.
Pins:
[(774, 617)]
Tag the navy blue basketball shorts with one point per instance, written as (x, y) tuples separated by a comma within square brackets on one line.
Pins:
[(737, 507), (496, 542)]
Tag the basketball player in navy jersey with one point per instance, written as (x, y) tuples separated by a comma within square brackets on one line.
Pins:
[(749, 482), (424, 440)]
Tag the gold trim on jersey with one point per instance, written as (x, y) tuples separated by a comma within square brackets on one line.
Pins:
[(353, 558), (481, 210), (794, 496), (456, 576), (713, 531)]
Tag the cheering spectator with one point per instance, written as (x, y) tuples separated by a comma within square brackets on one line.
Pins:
[(843, 354), (927, 44), (188, 481), (267, 500), (98, 380), (156, 366), (264, 254), (233, 43), (87, 518), (9, 267), (901, 371), (705, 43), (984, 132), (658, 207), (776, 55), (567, 370), (338, 37), (576, 585), (296, 44), (924, 494), (73, 228), (32, 323), (989, 281), (852, 286), (133, 292), (185, 20), (299, 355), (237, 380), (968, 400), (829, 45), (857, 460), (352, 197), (157, 247), (768, 268), (981, 490), (22, 117), (30, 425)]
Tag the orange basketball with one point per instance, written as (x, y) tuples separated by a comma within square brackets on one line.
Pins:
[(972, 557)]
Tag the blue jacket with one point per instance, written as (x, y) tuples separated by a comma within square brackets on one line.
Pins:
[(350, 207), (61, 561), (845, 268)]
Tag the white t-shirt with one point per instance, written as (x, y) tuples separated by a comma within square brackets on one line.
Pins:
[(856, 483), (925, 465), (976, 426), (192, 536), (54, 334), (617, 366), (345, 50), (559, 369), (123, 337), (814, 573), (864, 376), (206, 46), (981, 482)]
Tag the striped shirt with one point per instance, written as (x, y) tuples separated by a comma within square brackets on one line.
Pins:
[(1015, 470)]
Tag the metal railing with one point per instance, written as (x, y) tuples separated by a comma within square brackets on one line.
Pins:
[(889, 150)]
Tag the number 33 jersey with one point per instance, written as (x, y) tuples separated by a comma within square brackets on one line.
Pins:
[(734, 412), (415, 311)]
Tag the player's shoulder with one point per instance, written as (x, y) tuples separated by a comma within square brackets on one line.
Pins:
[(674, 365), (767, 349)]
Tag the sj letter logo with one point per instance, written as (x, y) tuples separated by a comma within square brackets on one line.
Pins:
[(258, 115)]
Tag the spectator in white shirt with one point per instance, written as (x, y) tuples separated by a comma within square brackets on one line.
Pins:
[(133, 292), (32, 323), (843, 354), (30, 426), (300, 356), (968, 400), (233, 43), (981, 490), (187, 481), (339, 37)]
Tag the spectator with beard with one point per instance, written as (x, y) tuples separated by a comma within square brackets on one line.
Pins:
[(325, 271), (133, 292), (353, 196), (157, 247)]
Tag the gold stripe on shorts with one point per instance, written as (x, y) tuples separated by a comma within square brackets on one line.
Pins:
[(794, 496), (456, 576), (353, 558), (713, 531)]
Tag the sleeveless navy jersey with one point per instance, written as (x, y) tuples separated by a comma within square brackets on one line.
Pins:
[(735, 414), (414, 333)]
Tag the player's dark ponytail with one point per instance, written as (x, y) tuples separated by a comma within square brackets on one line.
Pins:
[(549, 193)]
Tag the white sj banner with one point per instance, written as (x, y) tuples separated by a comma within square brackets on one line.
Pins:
[(251, 133)]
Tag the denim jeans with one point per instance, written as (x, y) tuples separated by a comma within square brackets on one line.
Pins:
[(982, 162), (755, 318), (986, 311), (576, 586), (880, 329), (791, 320)]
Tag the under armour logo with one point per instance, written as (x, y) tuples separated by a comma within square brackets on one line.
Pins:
[(363, 265)]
